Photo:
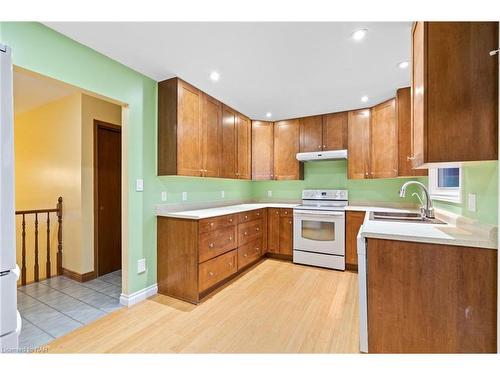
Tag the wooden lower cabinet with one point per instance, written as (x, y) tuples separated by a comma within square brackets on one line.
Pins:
[(354, 220), (197, 256), (430, 298)]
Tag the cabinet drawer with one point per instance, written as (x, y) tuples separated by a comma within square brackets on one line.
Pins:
[(247, 216), (250, 231), (213, 223), (286, 212), (217, 242), (217, 269), (249, 252)]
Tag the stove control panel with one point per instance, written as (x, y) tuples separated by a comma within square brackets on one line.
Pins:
[(325, 194)]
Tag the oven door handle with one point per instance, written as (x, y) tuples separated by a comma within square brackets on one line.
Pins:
[(314, 215), (318, 213)]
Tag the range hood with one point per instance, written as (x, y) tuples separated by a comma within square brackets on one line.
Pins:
[(322, 155)]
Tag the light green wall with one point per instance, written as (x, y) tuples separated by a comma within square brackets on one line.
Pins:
[(40, 49), (333, 175), (480, 179)]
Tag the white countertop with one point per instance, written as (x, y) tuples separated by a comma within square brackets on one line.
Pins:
[(219, 211), (457, 231)]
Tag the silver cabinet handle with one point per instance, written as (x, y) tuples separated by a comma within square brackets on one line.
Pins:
[(230, 220), (230, 238), (410, 158), (246, 233), (319, 147), (210, 273), (257, 229), (212, 224), (211, 245), (258, 213), (245, 255), (246, 216)]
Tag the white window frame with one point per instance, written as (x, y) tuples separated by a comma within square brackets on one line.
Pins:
[(453, 195)]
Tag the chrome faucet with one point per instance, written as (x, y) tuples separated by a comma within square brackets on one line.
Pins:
[(428, 210)]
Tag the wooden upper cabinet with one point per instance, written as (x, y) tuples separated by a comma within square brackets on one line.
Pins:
[(358, 162), (311, 134), (211, 136), (454, 92), (244, 147), (384, 140), (229, 167), (335, 131), (403, 111), (262, 150), (286, 147)]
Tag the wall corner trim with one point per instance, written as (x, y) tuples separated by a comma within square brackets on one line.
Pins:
[(131, 299)]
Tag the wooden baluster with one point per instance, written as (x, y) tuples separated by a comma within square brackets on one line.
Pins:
[(47, 269), (37, 278), (59, 235), (23, 252)]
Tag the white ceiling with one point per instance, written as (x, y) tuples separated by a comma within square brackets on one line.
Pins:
[(290, 69), (32, 91)]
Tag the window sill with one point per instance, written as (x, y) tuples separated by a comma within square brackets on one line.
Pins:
[(446, 198)]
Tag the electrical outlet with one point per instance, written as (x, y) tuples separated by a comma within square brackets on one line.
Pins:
[(163, 196), (141, 265), (139, 184), (222, 194), (269, 193), (471, 202), (184, 196)]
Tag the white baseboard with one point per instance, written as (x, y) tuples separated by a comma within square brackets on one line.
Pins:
[(132, 299)]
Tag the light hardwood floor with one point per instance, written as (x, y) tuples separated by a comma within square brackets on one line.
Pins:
[(275, 307)]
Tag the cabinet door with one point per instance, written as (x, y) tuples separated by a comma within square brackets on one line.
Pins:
[(262, 150), (403, 110), (286, 147), (354, 220), (384, 141), (211, 136), (228, 143), (417, 95), (335, 131), (273, 230), (189, 118), (311, 132), (358, 142), (244, 149), (286, 235)]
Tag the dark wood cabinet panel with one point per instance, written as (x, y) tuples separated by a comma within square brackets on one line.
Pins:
[(229, 145), (217, 269), (211, 136), (262, 150), (217, 242), (335, 131), (286, 235), (286, 147), (354, 220), (454, 92), (249, 253), (243, 150), (311, 134), (358, 139), (384, 140), (403, 110), (273, 230), (429, 298)]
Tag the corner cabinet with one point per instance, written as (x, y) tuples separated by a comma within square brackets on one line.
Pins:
[(454, 92), (286, 147), (262, 150), (197, 132), (358, 143), (384, 140)]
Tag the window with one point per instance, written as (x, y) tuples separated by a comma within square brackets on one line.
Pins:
[(445, 184)]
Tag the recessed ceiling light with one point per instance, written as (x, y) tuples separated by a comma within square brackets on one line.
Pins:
[(268, 114), (364, 98), (214, 76), (359, 34), (403, 65)]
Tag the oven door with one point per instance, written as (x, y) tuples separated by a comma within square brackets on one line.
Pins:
[(319, 231)]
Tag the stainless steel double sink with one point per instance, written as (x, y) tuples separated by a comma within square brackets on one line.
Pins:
[(407, 217)]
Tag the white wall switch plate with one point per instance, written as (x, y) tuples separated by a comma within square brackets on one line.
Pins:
[(222, 194), (471, 202), (269, 193), (141, 265), (139, 184), (184, 196), (163, 196)]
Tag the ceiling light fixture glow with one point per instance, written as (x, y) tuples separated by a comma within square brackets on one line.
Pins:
[(359, 34), (364, 98), (403, 65), (214, 76), (268, 114)]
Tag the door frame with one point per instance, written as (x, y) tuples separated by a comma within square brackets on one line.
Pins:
[(116, 128)]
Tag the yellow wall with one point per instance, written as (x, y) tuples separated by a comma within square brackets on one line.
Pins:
[(54, 157)]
